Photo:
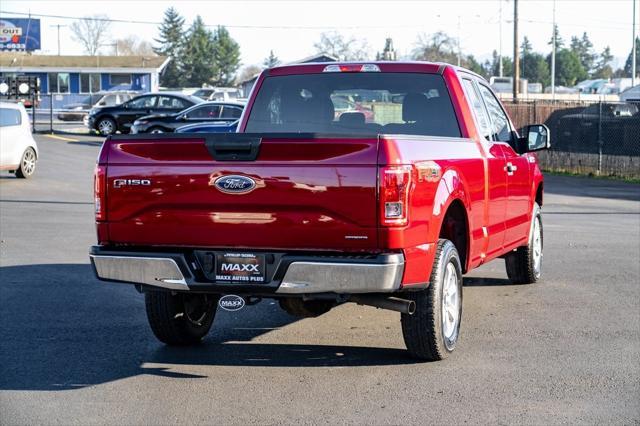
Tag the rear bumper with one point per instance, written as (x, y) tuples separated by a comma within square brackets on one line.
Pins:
[(290, 273)]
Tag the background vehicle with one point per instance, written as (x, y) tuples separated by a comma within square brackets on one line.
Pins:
[(317, 210), (225, 112), (631, 95), (18, 149), (77, 111), (222, 94), (108, 120), (214, 127)]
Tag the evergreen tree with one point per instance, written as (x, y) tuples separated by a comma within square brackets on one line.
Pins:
[(271, 61), (627, 64), (170, 43), (199, 62), (584, 49), (493, 67), (603, 69), (559, 41), (569, 70), (226, 53)]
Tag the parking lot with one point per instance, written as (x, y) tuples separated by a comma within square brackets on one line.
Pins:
[(78, 351)]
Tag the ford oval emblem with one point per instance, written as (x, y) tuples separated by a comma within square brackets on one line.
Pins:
[(231, 302), (234, 184)]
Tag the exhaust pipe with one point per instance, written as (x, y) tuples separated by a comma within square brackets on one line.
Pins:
[(403, 306)]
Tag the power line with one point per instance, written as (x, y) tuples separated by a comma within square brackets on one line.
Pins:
[(277, 27)]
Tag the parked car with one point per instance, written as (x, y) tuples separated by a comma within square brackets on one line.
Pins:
[(214, 127), (221, 94), (77, 111), (18, 150), (632, 94), (315, 211), (108, 120), (225, 112)]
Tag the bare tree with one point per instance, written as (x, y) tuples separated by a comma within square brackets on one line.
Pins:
[(133, 46), (247, 73), (335, 44), (91, 32)]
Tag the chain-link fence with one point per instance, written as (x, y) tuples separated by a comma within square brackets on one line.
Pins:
[(600, 138)]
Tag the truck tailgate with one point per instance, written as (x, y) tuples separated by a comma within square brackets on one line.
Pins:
[(310, 192)]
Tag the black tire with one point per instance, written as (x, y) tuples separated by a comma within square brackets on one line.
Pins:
[(425, 334), (157, 130), (305, 308), (524, 265), (180, 319), (27, 166), (106, 126)]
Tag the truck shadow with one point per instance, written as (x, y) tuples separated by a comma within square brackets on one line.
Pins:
[(63, 329)]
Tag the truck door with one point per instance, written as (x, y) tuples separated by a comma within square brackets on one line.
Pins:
[(494, 228), (516, 171)]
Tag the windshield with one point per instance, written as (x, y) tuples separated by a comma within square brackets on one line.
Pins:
[(367, 103)]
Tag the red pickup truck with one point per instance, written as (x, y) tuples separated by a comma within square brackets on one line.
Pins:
[(385, 204)]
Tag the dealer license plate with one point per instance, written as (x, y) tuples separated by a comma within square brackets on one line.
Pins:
[(240, 267)]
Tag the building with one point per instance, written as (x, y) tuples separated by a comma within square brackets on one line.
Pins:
[(71, 78), (247, 85)]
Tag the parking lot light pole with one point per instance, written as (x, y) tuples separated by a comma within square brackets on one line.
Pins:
[(516, 56), (553, 54), (58, 26), (633, 47)]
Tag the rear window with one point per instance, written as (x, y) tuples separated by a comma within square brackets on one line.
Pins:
[(367, 103)]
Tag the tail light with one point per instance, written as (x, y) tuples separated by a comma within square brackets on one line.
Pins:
[(395, 183), (100, 192)]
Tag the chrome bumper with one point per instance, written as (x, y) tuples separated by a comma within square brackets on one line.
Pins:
[(301, 277), (325, 277), (157, 272)]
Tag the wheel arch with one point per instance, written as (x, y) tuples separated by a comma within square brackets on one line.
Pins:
[(450, 214)]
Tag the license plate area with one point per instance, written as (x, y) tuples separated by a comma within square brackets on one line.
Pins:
[(234, 267)]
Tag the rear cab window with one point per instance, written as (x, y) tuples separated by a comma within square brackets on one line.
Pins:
[(361, 103)]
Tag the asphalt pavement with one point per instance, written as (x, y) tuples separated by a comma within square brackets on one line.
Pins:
[(74, 350)]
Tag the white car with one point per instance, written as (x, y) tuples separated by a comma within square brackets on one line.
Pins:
[(18, 149)]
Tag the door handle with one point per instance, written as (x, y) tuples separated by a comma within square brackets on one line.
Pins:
[(510, 168)]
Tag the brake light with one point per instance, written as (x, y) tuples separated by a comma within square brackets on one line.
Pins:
[(395, 184), (100, 192), (352, 68)]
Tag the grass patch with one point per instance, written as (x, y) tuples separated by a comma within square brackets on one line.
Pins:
[(635, 180)]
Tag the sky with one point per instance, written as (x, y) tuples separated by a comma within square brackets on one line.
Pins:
[(290, 28)]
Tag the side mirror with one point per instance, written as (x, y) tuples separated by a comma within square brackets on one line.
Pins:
[(102, 103), (535, 137), (183, 117)]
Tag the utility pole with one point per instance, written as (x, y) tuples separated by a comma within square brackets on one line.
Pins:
[(500, 42), (459, 40), (516, 57), (553, 54), (633, 48), (58, 26)]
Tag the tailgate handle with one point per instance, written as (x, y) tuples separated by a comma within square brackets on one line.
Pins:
[(233, 147)]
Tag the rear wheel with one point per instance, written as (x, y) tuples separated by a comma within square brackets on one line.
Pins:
[(106, 126), (524, 265), (156, 130), (180, 319), (27, 164), (432, 332)]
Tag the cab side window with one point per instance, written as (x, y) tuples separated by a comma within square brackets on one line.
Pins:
[(478, 109), (499, 122)]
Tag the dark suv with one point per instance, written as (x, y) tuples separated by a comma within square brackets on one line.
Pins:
[(108, 120)]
